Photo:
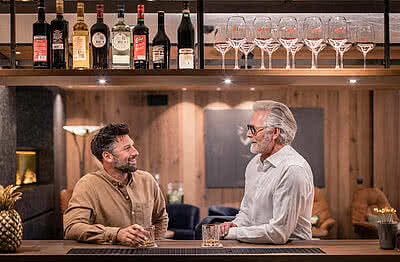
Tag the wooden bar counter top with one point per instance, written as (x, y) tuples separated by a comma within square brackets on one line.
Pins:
[(334, 250)]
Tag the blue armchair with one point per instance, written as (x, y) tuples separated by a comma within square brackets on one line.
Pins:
[(222, 211), (183, 219)]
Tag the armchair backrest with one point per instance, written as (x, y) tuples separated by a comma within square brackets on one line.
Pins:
[(65, 196), (183, 216), (222, 211), (364, 201), (320, 205)]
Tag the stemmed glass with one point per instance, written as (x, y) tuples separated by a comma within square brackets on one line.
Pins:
[(262, 34), (249, 44), (288, 35), (337, 34), (365, 40), (317, 51), (293, 50), (271, 48), (236, 32), (221, 42), (343, 49), (313, 36)]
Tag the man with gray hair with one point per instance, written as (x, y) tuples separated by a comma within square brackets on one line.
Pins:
[(279, 190)]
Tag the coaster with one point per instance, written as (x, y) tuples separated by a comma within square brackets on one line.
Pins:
[(217, 246)]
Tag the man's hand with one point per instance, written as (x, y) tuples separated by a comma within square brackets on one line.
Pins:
[(224, 228), (133, 235)]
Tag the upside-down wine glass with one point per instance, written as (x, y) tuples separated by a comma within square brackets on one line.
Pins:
[(343, 49), (365, 40), (271, 48), (313, 36), (262, 27), (317, 51), (288, 35), (221, 42), (236, 32), (249, 44), (337, 34), (293, 50)]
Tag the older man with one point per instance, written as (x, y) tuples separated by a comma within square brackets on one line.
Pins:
[(278, 198), (113, 204)]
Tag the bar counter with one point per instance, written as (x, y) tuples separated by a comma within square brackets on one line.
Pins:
[(334, 250)]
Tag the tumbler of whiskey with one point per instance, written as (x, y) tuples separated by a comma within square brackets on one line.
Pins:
[(210, 235), (150, 241)]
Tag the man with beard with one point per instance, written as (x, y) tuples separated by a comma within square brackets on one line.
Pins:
[(113, 204), (279, 191)]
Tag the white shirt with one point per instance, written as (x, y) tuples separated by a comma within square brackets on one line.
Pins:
[(278, 200)]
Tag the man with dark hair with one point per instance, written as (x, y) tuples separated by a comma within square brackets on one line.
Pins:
[(112, 205)]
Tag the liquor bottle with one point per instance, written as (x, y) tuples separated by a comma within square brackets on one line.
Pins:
[(100, 34), (185, 59), (161, 45), (121, 42), (41, 40), (80, 40), (59, 38), (140, 41)]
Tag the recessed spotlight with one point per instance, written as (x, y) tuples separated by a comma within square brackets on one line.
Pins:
[(102, 81), (218, 88), (252, 89), (184, 88), (17, 52), (353, 81), (227, 81)]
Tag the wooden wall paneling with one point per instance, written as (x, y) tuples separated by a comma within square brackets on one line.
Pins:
[(386, 144)]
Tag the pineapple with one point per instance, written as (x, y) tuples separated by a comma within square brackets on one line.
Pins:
[(10, 220)]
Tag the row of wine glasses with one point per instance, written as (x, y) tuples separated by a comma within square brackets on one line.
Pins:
[(261, 33)]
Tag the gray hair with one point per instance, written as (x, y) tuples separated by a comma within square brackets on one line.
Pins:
[(280, 117)]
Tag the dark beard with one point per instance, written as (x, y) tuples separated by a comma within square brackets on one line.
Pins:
[(125, 168)]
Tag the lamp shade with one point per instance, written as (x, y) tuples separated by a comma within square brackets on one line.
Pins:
[(81, 130)]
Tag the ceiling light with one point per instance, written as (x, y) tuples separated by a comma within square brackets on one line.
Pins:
[(353, 81), (252, 89), (17, 52), (102, 81), (218, 88), (184, 88), (227, 81)]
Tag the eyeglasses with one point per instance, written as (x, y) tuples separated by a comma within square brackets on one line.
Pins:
[(255, 129)]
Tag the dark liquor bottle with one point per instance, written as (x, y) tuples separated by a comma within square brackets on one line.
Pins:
[(161, 45), (185, 59), (100, 34), (59, 38), (140, 41), (41, 40)]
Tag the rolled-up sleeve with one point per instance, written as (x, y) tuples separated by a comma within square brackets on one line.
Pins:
[(78, 218)]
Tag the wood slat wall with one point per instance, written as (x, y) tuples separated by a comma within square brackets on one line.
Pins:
[(170, 139)]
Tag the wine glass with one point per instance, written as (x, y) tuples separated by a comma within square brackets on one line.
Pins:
[(248, 46), (262, 34), (343, 49), (288, 35), (313, 35), (337, 34), (365, 40), (221, 42), (236, 32), (317, 51), (294, 49), (271, 48)]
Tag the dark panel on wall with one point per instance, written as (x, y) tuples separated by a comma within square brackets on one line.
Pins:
[(35, 126), (228, 148), (7, 135), (40, 228), (36, 200)]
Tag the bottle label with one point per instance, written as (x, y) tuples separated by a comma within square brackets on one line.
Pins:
[(158, 54), (186, 58), (139, 47), (79, 48), (58, 43), (120, 59), (121, 42), (39, 48), (98, 40)]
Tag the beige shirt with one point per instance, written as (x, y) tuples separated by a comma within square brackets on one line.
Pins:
[(101, 205)]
